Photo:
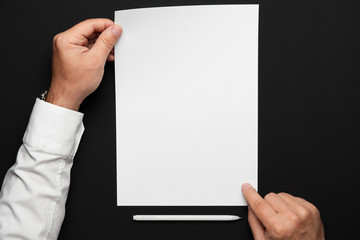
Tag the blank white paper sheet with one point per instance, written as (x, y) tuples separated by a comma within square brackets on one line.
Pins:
[(186, 105)]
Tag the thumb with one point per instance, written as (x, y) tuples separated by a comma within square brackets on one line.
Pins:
[(256, 226), (106, 41)]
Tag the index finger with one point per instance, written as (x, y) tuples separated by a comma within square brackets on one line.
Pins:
[(90, 26), (263, 211)]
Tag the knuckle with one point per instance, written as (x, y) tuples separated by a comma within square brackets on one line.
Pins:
[(58, 39), (294, 219), (279, 230), (90, 20), (106, 42), (86, 22), (284, 194), (269, 195), (301, 199), (304, 213), (314, 211)]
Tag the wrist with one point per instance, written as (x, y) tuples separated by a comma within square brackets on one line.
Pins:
[(63, 99)]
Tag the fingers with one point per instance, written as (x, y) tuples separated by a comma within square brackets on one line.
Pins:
[(257, 228), (263, 211), (300, 206), (106, 42), (279, 216), (111, 56), (276, 202), (88, 27)]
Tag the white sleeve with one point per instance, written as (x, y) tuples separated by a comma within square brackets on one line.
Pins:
[(34, 191)]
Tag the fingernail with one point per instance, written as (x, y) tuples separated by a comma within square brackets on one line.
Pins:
[(246, 186), (116, 30)]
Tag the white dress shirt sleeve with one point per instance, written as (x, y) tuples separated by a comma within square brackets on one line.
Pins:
[(34, 191)]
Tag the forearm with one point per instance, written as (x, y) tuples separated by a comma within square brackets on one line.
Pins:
[(32, 199), (34, 191)]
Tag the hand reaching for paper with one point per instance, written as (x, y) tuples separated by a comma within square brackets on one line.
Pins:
[(79, 56), (282, 216)]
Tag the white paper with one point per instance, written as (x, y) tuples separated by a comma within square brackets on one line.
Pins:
[(186, 105)]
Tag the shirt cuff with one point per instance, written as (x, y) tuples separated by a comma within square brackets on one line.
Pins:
[(54, 129)]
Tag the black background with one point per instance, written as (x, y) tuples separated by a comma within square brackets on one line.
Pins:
[(309, 74)]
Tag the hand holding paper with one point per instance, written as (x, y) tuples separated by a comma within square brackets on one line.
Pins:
[(282, 216), (79, 56)]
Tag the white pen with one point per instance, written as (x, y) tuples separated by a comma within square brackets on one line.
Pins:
[(185, 218)]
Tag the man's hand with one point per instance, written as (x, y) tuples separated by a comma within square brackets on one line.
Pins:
[(79, 56), (282, 216)]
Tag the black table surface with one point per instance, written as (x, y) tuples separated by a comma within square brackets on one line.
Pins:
[(309, 82)]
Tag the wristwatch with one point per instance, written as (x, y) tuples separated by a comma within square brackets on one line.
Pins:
[(44, 95)]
